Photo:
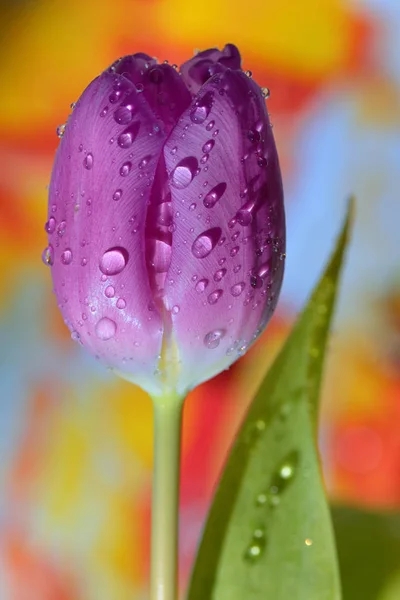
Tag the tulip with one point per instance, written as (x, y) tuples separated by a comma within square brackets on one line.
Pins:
[(166, 220), (166, 223)]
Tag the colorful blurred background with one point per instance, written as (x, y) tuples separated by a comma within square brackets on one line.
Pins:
[(75, 442)]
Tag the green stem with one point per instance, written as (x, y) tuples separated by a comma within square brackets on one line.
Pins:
[(165, 498)]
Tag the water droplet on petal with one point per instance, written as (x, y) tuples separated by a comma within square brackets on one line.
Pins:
[(88, 161), (238, 288), (109, 292), (182, 175), (218, 275), (265, 92), (121, 303), (244, 217), (125, 169), (113, 261), (213, 338), (106, 328), (117, 195), (48, 255), (50, 226), (208, 146), (206, 242), (61, 228), (202, 107), (66, 257), (104, 111), (123, 115), (210, 125), (145, 161), (214, 195), (234, 251), (192, 206), (214, 296), (175, 309), (201, 285), (60, 130), (128, 136)]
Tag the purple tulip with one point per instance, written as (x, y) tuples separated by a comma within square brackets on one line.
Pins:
[(166, 220)]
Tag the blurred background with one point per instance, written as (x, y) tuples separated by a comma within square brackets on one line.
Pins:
[(75, 442)]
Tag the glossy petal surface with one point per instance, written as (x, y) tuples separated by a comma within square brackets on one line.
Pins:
[(229, 226), (100, 186)]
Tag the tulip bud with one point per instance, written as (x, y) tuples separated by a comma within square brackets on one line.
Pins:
[(166, 221)]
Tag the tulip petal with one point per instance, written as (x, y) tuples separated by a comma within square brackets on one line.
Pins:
[(161, 85), (196, 71), (229, 226), (101, 183)]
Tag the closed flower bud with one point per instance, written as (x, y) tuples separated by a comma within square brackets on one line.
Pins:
[(166, 221)]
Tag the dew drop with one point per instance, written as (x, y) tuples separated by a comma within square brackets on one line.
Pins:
[(60, 130), (208, 146), (175, 309), (210, 125), (238, 288), (128, 136), (256, 282), (182, 175), (213, 338), (214, 296), (104, 111), (75, 335), (66, 257), (192, 206), (201, 285), (202, 108), (117, 195), (145, 161), (220, 274), (206, 242), (106, 328), (48, 255), (234, 251), (61, 228), (256, 547), (50, 226), (214, 195), (121, 303), (113, 261), (88, 161), (244, 217), (265, 92), (109, 292), (123, 115), (125, 169)]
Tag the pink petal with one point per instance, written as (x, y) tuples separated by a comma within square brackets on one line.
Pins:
[(229, 226), (100, 187)]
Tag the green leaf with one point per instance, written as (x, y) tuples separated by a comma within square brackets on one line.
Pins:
[(369, 553), (269, 532)]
